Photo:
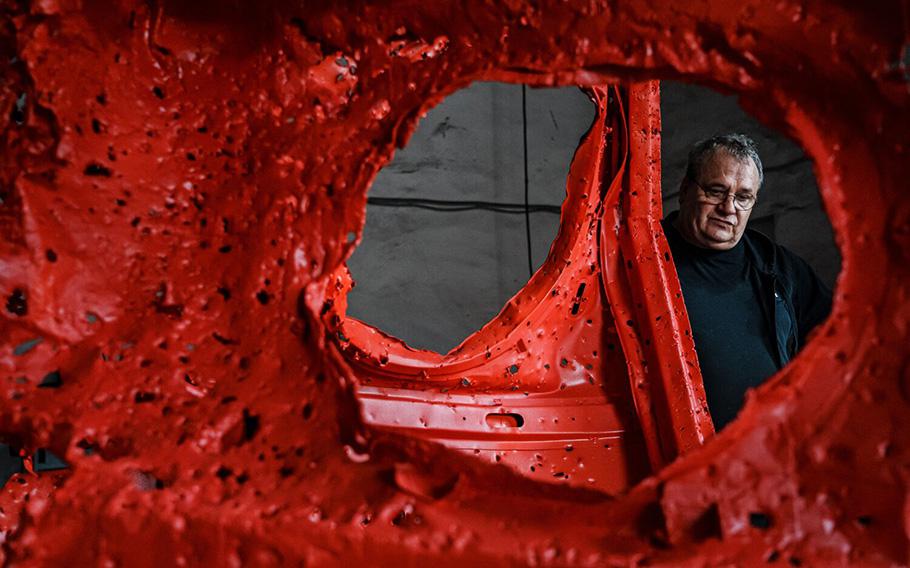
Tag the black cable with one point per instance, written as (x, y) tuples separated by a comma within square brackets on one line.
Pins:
[(456, 206), (524, 131)]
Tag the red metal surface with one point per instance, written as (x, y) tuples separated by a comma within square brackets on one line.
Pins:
[(542, 388), (180, 183), (645, 294)]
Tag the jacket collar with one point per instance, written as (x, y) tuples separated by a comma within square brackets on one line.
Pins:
[(761, 251)]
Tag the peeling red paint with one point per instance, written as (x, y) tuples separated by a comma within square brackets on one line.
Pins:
[(179, 185)]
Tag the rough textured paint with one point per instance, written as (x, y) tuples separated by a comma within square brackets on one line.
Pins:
[(181, 183), (542, 387)]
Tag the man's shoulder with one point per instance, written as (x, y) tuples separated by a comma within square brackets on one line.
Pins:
[(774, 257)]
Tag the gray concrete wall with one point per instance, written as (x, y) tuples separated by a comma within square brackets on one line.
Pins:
[(433, 278)]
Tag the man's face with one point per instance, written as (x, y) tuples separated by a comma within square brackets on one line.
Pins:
[(717, 226)]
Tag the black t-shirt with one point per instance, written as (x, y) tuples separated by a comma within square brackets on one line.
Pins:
[(735, 348)]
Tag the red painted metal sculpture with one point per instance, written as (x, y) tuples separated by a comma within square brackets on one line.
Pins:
[(182, 182)]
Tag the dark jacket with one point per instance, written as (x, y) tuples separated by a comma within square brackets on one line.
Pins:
[(794, 299)]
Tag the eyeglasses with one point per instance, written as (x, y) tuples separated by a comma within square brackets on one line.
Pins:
[(716, 196)]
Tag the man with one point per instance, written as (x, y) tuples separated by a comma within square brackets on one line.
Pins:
[(751, 303)]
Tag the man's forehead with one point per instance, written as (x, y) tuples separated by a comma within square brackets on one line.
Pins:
[(722, 166)]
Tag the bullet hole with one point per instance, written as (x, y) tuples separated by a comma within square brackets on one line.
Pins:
[(51, 380), (513, 369), (17, 114), (16, 303), (145, 481), (772, 557), (864, 520), (26, 346), (242, 478), (307, 410), (135, 221), (101, 98), (50, 255), (263, 297), (120, 202), (223, 340), (96, 169), (563, 362), (406, 516), (706, 525), (250, 425), (224, 249), (286, 471), (225, 293), (173, 311), (667, 256), (794, 561), (158, 92), (191, 156), (96, 126), (244, 363), (760, 520), (88, 448), (142, 397), (223, 472)]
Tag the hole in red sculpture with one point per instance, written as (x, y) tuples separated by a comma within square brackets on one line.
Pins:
[(788, 210), (506, 420), (445, 242)]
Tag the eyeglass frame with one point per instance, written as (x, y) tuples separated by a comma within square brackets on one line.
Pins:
[(726, 195)]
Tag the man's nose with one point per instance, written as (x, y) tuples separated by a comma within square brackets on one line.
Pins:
[(727, 205)]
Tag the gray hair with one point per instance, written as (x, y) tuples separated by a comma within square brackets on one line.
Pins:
[(737, 145)]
